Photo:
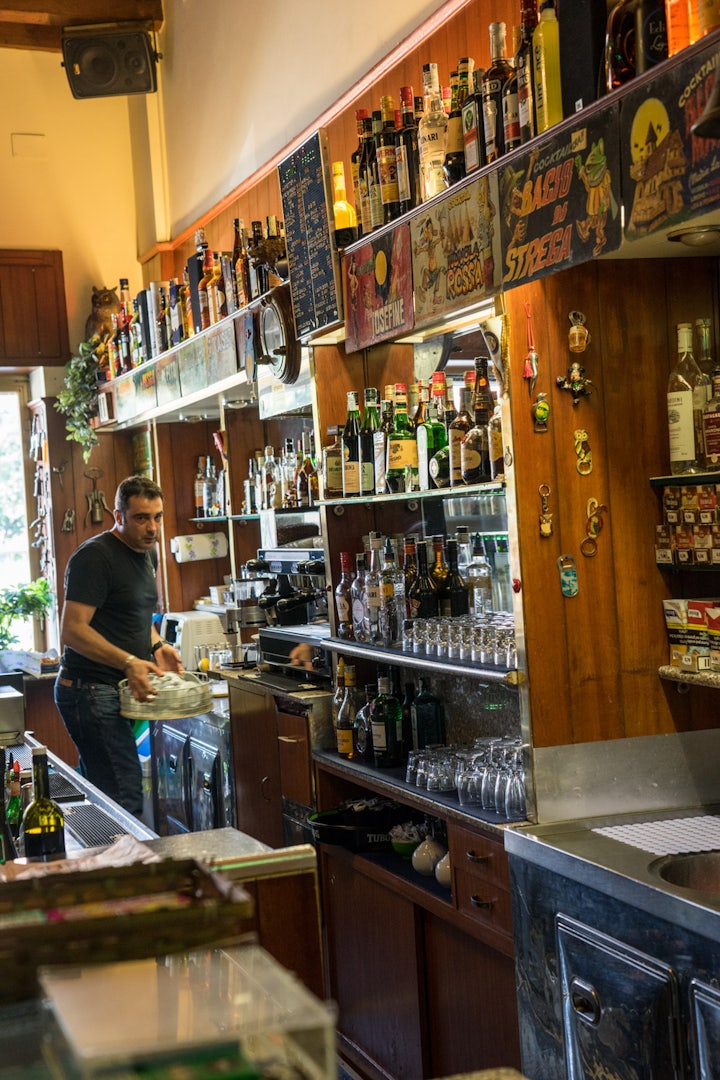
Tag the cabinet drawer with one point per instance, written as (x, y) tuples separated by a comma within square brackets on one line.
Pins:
[(477, 856), (295, 758), (483, 901)]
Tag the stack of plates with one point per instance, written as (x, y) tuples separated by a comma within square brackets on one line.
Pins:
[(175, 696)]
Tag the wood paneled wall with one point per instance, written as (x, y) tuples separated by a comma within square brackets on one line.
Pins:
[(593, 658)]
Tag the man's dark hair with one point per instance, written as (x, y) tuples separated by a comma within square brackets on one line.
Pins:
[(133, 486)]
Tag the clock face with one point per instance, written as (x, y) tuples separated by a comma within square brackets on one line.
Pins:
[(273, 338)]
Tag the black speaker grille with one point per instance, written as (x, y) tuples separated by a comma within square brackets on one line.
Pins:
[(109, 64)]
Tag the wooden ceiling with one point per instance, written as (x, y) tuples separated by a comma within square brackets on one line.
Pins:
[(39, 25)]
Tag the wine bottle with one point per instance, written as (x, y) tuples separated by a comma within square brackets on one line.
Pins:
[(431, 437), (402, 460), (366, 448), (8, 851), (377, 216), (422, 594), (350, 447), (686, 399), (43, 827), (365, 178)]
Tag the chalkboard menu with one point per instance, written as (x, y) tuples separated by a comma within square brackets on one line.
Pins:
[(312, 257)]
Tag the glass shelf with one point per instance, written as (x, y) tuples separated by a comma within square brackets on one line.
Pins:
[(410, 496), (685, 479), (382, 655)]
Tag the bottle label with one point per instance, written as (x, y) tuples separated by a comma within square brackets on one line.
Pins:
[(351, 477), (403, 173), (364, 204), (345, 741), (358, 612), (711, 428), (387, 171), (342, 605), (373, 597), (454, 135), (401, 453), (379, 451), (490, 127), (470, 136), (511, 120), (469, 459), (680, 425), (379, 735), (454, 446), (423, 459), (333, 475), (367, 478), (525, 102), (376, 205)]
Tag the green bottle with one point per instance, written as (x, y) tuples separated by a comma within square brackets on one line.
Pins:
[(386, 726)]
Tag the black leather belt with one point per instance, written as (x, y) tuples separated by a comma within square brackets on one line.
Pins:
[(65, 679)]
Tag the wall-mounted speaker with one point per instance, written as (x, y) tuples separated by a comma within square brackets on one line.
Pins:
[(109, 62)]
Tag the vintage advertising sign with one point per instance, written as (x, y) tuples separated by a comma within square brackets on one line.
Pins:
[(377, 289), (560, 202), (456, 250), (669, 175)]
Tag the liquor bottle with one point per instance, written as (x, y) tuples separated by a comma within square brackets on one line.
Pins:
[(402, 461), (362, 733), (212, 288), (357, 598), (677, 19), (454, 163), (456, 591), (207, 273), (377, 215), (464, 550), (457, 431), (343, 601), (422, 594), (270, 481), (450, 411), (386, 726), (386, 141), (619, 55), (413, 402), (651, 43), (708, 16), (432, 136), (242, 267), (392, 597), (410, 567), (704, 352), (428, 718), (43, 827), (8, 851), (439, 573), (332, 464), (355, 160), (350, 447), (686, 399), (547, 88), (439, 467), (305, 477), (419, 413), (137, 353), (199, 486), (344, 215), (123, 334), (431, 437), (475, 446), (480, 579), (524, 69), (372, 592), (339, 693), (510, 103), (407, 154), (209, 488), (346, 715), (496, 76), (711, 424), (496, 443), (366, 445), (14, 810), (408, 696), (364, 177), (472, 122), (380, 440)]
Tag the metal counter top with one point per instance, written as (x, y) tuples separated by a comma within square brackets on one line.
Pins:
[(575, 850)]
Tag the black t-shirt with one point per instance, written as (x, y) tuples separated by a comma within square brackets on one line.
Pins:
[(120, 584)]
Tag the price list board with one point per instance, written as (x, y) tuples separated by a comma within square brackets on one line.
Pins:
[(312, 256)]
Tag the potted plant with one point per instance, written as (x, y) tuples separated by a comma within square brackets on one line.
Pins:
[(22, 602), (79, 398)]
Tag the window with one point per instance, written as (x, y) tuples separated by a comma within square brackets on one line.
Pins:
[(17, 564)]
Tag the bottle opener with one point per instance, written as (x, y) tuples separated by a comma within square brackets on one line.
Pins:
[(546, 522), (584, 453), (593, 525), (568, 575)]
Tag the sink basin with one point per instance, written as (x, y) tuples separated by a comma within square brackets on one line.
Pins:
[(699, 872)]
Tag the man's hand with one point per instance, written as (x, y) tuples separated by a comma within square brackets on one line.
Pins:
[(167, 658)]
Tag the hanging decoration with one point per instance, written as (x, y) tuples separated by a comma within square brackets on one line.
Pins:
[(530, 368)]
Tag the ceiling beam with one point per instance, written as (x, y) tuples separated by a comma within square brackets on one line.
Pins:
[(38, 24)]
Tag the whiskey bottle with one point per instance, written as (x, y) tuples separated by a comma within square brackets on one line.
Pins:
[(422, 594), (332, 464), (686, 400), (350, 447), (386, 726), (343, 601), (402, 460), (386, 141), (547, 88), (711, 424), (406, 153), (432, 136), (496, 76)]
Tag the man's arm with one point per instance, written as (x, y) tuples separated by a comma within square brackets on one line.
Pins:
[(76, 631)]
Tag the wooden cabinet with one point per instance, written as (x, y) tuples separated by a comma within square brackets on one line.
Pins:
[(256, 764), (423, 977), (33, 315)]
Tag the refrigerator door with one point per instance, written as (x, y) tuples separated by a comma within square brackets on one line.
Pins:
[(170, 767), (205, 786)]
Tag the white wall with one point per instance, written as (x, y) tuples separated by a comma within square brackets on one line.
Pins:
[(77, 196)]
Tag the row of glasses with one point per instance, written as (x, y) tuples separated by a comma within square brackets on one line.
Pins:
[(489, 774), (482, 639)]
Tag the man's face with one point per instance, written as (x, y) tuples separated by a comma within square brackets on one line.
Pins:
[(140, 526)]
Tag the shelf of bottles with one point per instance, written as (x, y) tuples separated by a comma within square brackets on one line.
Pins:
[(466, 491), (397, 656)]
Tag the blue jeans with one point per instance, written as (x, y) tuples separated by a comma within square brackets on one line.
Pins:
[(105, 741)]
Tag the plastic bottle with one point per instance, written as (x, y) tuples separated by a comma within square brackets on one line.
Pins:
[(546, 68)]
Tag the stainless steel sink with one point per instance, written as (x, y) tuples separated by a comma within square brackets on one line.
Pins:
[(698, 872)]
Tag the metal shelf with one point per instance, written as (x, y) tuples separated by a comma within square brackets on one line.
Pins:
[(510, 678)]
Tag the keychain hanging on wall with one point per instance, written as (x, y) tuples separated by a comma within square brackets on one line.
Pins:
[(530, 368)]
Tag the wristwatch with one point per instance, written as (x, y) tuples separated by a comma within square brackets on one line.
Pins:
[(157, 645)]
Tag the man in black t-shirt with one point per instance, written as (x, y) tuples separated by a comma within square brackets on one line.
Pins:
[(108, 635)]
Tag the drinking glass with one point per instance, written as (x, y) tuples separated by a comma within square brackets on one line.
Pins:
[(515, 803), (419, 635)]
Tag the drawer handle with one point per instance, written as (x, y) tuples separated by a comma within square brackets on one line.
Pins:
[(473, 857), (477, 901), (585, 1002), (289, 738)]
